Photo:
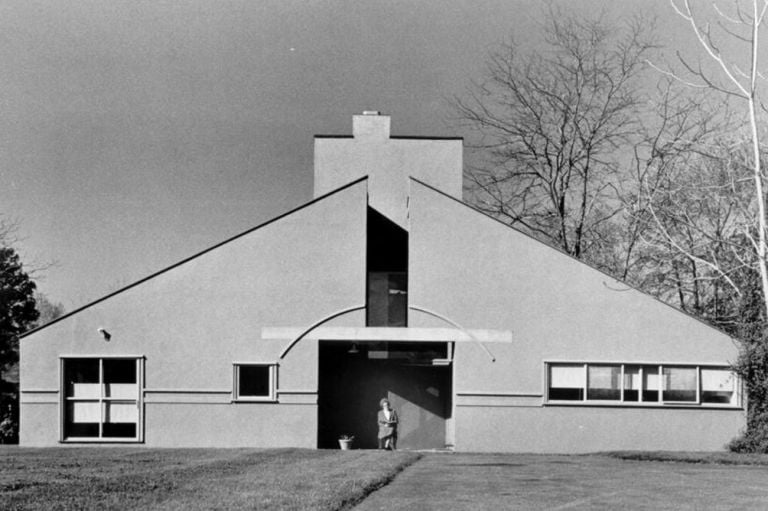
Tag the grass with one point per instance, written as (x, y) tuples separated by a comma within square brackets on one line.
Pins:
[(130, 478), (488, 482), (717, 458)]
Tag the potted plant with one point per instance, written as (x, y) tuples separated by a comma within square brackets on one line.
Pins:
[(345, 442)]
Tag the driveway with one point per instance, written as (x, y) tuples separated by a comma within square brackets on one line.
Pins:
[(517, 481)]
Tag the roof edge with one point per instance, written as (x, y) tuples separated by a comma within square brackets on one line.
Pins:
[(396, 137), (561, 251), (194, 256)]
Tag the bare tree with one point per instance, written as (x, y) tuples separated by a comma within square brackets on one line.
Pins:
[(733, 79), (678, 128), (725, 237), (554, 127), (697, 211)]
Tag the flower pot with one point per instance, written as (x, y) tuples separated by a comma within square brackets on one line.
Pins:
[(345, 444)]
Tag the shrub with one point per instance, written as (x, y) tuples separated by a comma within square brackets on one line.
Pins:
[(752, 367), (9, 418)]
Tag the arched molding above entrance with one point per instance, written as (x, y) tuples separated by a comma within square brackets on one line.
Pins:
[(303, 334), (294, 335), (455, 325)]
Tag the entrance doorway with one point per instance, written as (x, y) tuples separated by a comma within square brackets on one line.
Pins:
[(415, 377)]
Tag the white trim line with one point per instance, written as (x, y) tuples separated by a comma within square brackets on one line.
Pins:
[(476, 405), (644, 404), (498, 394), (637, 363), (95, 355), (187, 391), (391, 334)]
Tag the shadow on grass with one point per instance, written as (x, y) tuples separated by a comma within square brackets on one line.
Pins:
[(715, 458), (489, 464)]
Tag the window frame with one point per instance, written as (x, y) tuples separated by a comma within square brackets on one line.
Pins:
[(101, 400), (270, 398), (735, 403)]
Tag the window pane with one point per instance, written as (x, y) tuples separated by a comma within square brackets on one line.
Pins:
[(603, 382), (651, 384), (120, 419), (119, 371), (398, 299), (632, 384), (83, 412), (566, 382), (82, 419), (253, 381), (81, 378), (387, 298), (717, 386), (120, 379), (121, 412), (679, 384)]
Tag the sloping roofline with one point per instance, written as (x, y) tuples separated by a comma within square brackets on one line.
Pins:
[(395, 137), (194, 256), (348, 185), (561, 251)]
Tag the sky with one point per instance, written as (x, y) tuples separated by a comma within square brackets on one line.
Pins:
[(134, 134)]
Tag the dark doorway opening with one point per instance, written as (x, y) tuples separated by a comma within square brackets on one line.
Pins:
[(415, 377)]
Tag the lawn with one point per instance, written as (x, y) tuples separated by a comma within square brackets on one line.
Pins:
[(488, 482), (131, 478)]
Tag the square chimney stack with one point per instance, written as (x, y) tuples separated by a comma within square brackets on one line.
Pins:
[(371, 124)]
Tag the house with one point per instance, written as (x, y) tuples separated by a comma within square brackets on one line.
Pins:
[(385, 284)]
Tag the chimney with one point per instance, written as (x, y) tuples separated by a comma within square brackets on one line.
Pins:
[(371, 124)]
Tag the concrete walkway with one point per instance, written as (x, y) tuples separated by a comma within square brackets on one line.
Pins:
[(494, 481)]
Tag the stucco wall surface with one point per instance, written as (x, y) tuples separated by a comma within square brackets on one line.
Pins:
[(480, 273), (575, 429), (193, 321), (227, 425)]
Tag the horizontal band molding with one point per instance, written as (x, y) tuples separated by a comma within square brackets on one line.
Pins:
[(494, 405), (685, 363), (485, 393), (188, 391), (629, 406)]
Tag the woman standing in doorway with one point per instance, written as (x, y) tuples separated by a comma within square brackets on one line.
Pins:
[(387, 418)]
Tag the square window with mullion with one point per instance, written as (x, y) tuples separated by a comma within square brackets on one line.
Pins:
[(101, 398)]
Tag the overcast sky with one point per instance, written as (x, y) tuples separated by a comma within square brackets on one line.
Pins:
[(137, 133)]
